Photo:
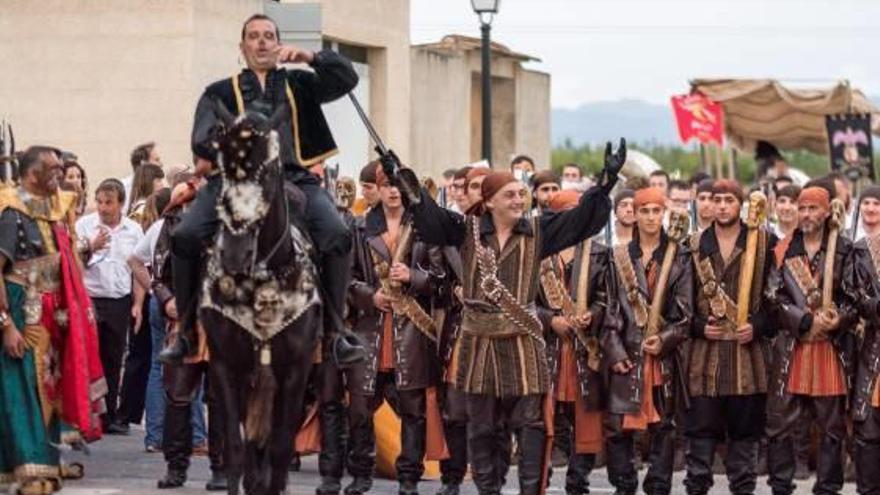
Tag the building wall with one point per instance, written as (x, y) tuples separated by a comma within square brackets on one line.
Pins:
[(447, 110), (533, 116), (98, 77)]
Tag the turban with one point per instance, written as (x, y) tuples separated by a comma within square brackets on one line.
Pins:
[(728, 186), (871, 191), (705, 186), (494, 182), (564, 200), (381, 178), (816, 195), (625, 193), (544, 177), (649, 195), (368, 173)]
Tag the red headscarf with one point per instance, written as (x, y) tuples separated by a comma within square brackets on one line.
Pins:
[(816, 195), (564, 200), (649, 195)]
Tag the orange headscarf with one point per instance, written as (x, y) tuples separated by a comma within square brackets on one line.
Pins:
[(816, 195), (564, 200), (649, 195)]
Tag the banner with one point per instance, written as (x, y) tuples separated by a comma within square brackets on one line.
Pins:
[(849, 145), (699, 117)]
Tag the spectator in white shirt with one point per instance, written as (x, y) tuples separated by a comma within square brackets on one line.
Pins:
[(111, 239)]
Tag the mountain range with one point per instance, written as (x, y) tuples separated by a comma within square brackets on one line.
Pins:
[(641, 121)]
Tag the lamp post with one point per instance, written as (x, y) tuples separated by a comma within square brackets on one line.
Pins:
[(486, 9)]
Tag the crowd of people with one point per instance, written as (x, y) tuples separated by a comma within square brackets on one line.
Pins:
[(554, 319)]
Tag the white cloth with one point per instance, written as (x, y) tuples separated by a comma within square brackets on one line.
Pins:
[(107, 273), (146, 248)]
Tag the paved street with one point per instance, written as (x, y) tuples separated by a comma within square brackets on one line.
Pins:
[(119, 465)]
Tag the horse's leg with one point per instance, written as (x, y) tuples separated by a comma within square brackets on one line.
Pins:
[(289, 411), (229, 398)]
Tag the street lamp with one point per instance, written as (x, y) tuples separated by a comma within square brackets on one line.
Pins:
[(486, 9)]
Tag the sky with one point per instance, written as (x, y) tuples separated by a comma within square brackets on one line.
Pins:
[(608, 50)]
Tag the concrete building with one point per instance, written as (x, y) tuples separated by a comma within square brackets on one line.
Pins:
[(99, 77)]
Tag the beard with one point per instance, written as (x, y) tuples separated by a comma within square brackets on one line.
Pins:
[(727, 223), (809, 227)]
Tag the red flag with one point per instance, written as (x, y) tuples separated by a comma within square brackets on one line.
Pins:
[(699, 117)]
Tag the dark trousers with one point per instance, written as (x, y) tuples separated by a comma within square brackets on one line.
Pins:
[(453, 469), (867, 453), (737, 420), (410, 406), (577, 476), (200, 223), (334, 425), (182, 383), (522, 416), (113, 318), (620, 452), (783, 415), (137, 370)]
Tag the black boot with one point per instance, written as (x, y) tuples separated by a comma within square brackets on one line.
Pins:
[(217, 483), (334, 433), (531, 463), (449, 489), (174, 478), (408, 488), (780, 464), (174, 353), (348, 349), (742, 475), (620, 458), (359, 485), (658, 479), (698, 462), (577, 478), (867, 460)]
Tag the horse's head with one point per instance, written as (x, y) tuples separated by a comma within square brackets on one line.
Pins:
[(248, 158)]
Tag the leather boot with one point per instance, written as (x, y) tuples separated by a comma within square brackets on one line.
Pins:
[(780, 464), (174, 478), (741, 473), (698, 461), (359, 486), (620, 459), (503, 454), (335, 273), (531, 463), (408, 488), (867, 460), (175, 352), (577, 478), (829, 466), (217, 483), (332, 457), (449, 489)]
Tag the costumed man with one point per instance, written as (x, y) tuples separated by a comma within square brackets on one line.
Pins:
[(501, 353), (327, 379), (369, 190), (50, 370), (704, 205), (576, 286), (727, 374), (865, 273), (544, 184), (624, 217), (394, 278), (305, 139), (183, 381), (811, 356), (641, 343)]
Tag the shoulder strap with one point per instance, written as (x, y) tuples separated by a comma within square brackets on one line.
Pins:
[(627, 275)]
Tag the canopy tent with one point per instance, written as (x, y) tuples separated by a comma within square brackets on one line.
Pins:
[(764, 109)]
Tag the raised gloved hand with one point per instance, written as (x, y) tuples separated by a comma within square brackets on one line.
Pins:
[(613, 164), (402, 178)]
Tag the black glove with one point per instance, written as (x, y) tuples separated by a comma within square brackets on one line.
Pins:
[(402, 178), (613, 163)]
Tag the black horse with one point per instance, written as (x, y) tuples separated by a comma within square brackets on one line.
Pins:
[(260, 305)]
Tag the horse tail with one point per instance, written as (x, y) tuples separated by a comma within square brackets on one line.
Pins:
[(261, 401)]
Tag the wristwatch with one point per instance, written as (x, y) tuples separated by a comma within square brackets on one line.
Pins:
[(4, 319)]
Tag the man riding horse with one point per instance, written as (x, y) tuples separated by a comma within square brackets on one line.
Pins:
[(305, 140)]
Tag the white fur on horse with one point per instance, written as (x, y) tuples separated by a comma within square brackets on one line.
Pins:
[(246, 202)]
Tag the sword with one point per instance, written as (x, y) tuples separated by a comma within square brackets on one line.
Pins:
[(7, 152), (389, 160)]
